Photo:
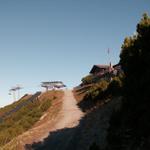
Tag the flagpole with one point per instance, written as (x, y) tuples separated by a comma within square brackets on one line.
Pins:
[(109, 59)]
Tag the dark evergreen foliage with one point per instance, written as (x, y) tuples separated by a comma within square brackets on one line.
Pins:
[(129, 128)]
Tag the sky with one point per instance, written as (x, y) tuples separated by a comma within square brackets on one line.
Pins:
[(46, 40)]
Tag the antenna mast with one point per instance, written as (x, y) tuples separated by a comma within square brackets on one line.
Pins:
[(109, 59)]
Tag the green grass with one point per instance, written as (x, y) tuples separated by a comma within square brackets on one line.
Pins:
[(13, 105), (22, 120)]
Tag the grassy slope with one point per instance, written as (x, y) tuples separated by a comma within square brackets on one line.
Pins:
[(27, 116), (98, 111), (14, 104)]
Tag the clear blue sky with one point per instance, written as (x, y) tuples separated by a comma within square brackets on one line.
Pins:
[(44, 40)]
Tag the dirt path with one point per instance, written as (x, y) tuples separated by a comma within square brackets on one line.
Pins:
[(70, 113), (68, 117)]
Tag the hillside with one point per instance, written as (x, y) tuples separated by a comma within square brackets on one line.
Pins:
[(25, 113), (13, 105), (76, 127)]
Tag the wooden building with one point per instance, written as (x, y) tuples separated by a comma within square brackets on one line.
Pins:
[(99, 70), (106, 71)]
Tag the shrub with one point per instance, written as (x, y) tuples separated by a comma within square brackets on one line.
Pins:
[(96, 90), (115, 87), (87, 80), (44, 106)]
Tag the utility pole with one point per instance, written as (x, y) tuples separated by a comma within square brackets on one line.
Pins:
[(18, 88), (13, 91)]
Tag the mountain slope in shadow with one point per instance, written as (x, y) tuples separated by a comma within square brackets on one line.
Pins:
[(92, 128)]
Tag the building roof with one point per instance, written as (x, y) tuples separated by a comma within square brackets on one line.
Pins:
[(102, 66), (96, 67)]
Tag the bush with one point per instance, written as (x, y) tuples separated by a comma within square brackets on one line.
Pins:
[(45, 105), (87, 80), (115, 87), (135, 63), (96, 90)]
